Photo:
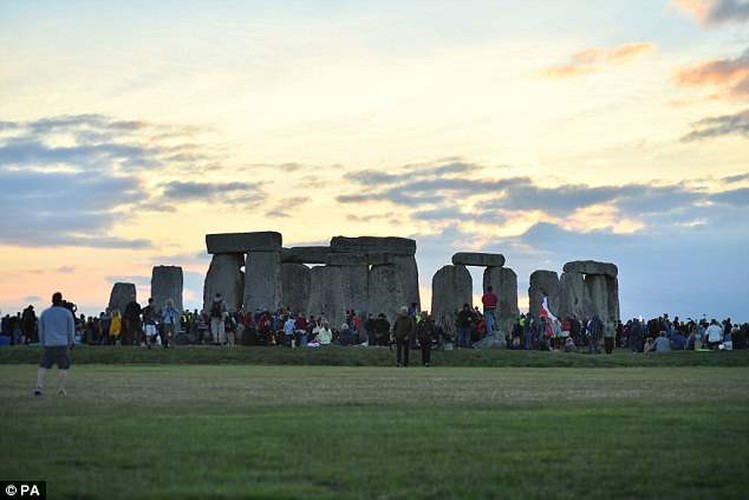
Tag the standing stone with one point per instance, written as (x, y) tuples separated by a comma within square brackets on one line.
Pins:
[(316, 301), (571, 295), (408, 274), (225, 277), (543, 284), (167, 283), (385, 291), (334, 300), (356, 288), (452, 286), (612, 288), (120, 296), (262, 284), (504, 281), (295, 285), (596, 296)]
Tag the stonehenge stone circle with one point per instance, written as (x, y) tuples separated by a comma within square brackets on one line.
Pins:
[(225, 277), (167, 283), (479, 259), (452, 286)]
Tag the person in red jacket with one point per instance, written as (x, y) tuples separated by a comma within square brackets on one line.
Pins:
[(489, 300)]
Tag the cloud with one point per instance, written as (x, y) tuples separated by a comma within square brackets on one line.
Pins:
[(737, 197), (719, 126), (287, 205), (713, 12), (597, 58), (732, 179), (432, 197), (732, 74), (70, 180)]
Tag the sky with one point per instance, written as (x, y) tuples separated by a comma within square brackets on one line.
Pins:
[(547, 131)]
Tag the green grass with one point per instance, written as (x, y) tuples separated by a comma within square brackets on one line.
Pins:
[(202, 431), (377, 356)]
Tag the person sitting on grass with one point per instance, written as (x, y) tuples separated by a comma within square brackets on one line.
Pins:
[(661, 343), (324, 334)]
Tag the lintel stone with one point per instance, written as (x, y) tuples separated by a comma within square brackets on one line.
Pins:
[(478, 259), (261, 241)]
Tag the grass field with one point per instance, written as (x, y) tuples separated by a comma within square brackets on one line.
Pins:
[(209, 431)]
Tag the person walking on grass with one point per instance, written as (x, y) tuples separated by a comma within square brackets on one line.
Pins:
[(56, 335), (426, 332), (404, 328)]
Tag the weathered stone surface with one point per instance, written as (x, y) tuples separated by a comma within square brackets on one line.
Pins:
[(479, 259), (571, 296), (334, 298), (264, 241), (167, 282), (408, 274), (263, 286), (596, 296), (612, 288), (305, 255), (385, 291), (373, 244), (295, 286), (591, 267), (452, 286), (356, 288), (120, 296), (347, 259), (225, 277), (543, 284), (504, 281), (316, 302)]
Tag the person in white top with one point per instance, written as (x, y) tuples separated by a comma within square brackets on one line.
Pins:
[(714, 334)]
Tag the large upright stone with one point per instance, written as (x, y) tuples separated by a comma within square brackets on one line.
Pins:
[(386, 294), (408, 274), (504, 281), (295, 285), (571, 296), (452, 286), (225, 277), (356, 288), (543, 284), (316, 301), (167, 282), (612, 288), (263, 241), (591, 267), (478, 259), (120, 296), (305, 255), (262, 284), (373, 244), (334, 299), (596, 296)]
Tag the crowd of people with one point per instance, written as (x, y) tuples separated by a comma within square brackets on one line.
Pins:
[(165, 327)]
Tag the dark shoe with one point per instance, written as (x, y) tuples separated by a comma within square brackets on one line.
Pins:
[(38, 392)]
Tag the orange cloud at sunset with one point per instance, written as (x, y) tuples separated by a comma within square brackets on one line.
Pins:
[(732, 73), (596, 58)]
